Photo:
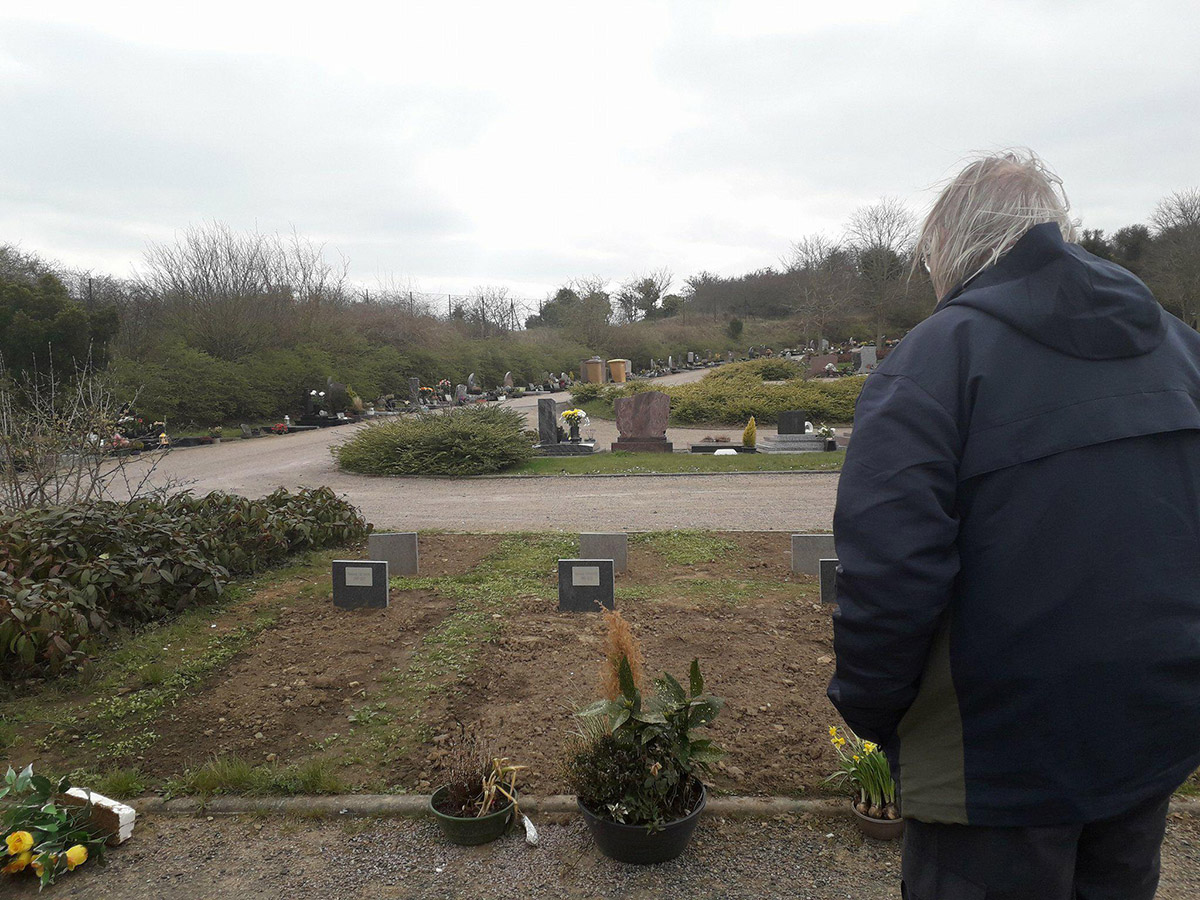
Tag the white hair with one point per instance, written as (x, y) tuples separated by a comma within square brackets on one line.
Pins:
[(984, 211)]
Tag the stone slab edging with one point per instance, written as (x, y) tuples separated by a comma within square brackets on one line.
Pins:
[(415, 805), (628, 474)]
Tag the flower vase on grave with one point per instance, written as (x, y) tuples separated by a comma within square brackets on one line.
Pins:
[(574, 433)]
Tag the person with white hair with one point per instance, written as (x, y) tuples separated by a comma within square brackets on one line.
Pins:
[(1018, 529)]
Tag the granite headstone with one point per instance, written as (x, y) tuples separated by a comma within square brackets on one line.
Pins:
[(360, 585), (585, 585)]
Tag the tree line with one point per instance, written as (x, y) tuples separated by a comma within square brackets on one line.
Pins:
[(220, 324)]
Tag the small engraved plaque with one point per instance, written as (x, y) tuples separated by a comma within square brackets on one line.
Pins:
[(585, 576), (358, 576)]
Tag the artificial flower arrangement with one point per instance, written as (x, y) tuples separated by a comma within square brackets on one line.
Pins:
[(40, 835)]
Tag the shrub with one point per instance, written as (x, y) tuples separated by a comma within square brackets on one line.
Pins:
[(472, 441), (750, 435), (69, 574), (722, 399)]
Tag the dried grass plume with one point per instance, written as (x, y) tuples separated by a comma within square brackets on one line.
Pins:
[(619, 642)]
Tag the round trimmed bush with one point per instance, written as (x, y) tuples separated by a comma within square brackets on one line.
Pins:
[(472, 441)]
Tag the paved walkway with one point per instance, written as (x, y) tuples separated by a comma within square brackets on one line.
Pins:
[(756, 502)]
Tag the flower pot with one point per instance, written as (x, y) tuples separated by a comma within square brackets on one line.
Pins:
[(473, 831), (574, 434), (634, 844), (879, 829)]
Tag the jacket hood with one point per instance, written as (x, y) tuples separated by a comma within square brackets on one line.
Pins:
[(1061, 296)]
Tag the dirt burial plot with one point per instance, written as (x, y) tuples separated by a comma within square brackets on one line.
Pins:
[(367, 699), (763, 639)]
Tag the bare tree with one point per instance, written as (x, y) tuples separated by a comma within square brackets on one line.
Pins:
[(881, 237), (59, 442), (1174, 258), (821, 272), (233, 294), (641, 294)]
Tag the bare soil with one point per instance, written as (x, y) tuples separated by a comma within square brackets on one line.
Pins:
[(763, 640), (769, 656)]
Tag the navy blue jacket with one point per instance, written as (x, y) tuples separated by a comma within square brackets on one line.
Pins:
[(1018, 525)]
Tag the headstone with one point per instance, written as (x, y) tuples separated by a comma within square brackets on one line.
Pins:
[(691, 357), (792, 421), (670, 362), (547, 421), (508, 379), (397, 549), (642, 423), (360, 585), (585, 585), (731, 356), (460, 394), (823, 346), (414, 391), (817, 364), (829, 570), (808, 550), (614, 546), (869, 357), (472, 383)]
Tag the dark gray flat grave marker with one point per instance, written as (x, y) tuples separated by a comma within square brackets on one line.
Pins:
[(808, 550), (360, 584), (792, 421), (829, 569), (585, 585), (614, 546), (397, 549)]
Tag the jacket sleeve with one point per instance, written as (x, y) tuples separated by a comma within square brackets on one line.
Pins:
[(895, 529)]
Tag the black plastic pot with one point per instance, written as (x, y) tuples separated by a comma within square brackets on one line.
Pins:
[(473, 831), (634, 844)]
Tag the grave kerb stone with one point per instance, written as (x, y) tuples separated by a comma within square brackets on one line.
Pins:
[(397, 548), (606, 545), (808, 550)]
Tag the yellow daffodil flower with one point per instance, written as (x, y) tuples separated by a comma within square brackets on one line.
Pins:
[(19, 842), (18, 863), (869, 747), (76, 856), (833, 731)]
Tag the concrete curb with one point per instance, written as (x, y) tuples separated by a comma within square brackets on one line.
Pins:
[(417, 805), (638, 474)]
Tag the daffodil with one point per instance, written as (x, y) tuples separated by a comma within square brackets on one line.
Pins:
[(869, 747), (833, 731), (19, 842), (76, 856), (18, 863)]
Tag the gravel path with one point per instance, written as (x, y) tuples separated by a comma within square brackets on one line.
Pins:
[(279, 859), (756, 502)]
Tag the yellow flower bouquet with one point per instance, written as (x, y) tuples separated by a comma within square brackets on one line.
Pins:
[(40, 835)]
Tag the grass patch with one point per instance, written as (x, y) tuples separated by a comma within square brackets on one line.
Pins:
[(237, 775), (685, 548), (622, 463), (522, 565)]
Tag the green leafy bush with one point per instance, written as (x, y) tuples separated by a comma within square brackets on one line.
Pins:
[(724, 399), (472, 441), (69, 574)]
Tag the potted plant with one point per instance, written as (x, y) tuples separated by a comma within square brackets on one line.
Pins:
[(478, 802), (635, 764), (41, 835), (574, 418), (830, 436), (863, 765), (215, 433)]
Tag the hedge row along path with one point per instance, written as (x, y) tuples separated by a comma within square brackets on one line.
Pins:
[(757, 502)]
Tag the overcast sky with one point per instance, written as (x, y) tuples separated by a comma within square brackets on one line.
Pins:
[(523, 144)]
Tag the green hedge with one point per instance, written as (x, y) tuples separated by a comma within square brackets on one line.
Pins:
[(730, 395), (471, 441), (68, 575)]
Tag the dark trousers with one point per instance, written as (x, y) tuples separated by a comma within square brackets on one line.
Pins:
[(1115, 859)]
